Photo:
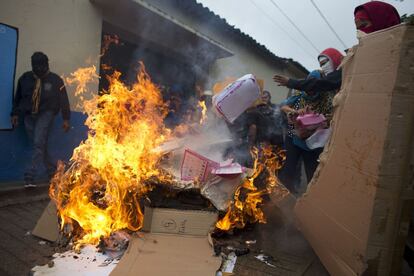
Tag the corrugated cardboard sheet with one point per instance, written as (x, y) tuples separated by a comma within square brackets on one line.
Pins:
[(182, 222), (47, 227), (166, 254), (355, 212)]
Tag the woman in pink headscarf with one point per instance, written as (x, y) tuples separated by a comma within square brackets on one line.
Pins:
[(374, 16), (329, 61)]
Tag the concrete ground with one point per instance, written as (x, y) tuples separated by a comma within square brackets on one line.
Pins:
[(287, 250), (19, 250)]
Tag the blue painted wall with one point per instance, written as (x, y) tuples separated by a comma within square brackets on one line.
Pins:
[(15, 148), (8, 55)]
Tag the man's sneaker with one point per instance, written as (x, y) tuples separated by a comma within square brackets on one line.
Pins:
[(29, 185)]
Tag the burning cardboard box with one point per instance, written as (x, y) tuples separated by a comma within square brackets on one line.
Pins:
[(126, 164)]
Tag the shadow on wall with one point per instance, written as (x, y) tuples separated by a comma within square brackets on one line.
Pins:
[(16, 149)]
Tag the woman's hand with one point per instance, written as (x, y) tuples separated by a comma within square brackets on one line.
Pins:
[(281, 80)]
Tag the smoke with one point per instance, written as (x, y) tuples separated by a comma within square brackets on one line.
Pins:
[(211, 140)]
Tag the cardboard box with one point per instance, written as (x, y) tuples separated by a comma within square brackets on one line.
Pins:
[(356, 209), (177, 245), (164, 254), (181, 222)]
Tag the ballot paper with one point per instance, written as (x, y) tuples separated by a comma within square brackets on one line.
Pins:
[(196, 167)]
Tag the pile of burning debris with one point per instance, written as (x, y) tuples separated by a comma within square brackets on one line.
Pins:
[(132, 170)]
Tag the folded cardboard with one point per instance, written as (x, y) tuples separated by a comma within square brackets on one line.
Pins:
[(164, 254), (181, 222), (47, 227), (356, 209)]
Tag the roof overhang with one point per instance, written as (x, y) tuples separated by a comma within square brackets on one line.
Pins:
[(141, 21)]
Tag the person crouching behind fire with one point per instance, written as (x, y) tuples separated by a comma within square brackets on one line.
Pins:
[(296, 148), (40, 95)]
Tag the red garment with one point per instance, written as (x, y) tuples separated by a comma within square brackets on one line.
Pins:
[(334, 55), (362, 14), (382, 15)]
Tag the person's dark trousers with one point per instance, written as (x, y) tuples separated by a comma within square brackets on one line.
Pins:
[(38, 127), (293, 154)]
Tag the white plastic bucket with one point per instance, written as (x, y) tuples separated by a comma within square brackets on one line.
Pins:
[(237, 97)]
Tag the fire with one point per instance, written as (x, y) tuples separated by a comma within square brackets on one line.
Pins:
[(203, 107), (99, 190), (107, 41), (245, 207), (81, 78)]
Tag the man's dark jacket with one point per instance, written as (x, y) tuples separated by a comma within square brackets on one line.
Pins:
[(53, 95)]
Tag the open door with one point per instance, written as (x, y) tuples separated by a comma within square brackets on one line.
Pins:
[(8, 56), (356, 210)]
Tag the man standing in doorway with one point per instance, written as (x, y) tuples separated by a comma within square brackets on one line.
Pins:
[(39, 96)]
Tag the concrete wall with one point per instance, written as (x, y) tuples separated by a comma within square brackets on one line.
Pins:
[(245, 60), (68, 31)]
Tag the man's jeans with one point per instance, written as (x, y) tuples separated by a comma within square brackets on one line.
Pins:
[(38, 127)]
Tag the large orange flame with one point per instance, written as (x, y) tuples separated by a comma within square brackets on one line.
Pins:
[(245, 207), (107, 173)]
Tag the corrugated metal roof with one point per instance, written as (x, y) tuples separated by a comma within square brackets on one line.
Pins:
[(204, 14)]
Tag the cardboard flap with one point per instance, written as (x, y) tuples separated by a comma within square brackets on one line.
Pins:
[(47, 227), (182, 222), (163, 254)]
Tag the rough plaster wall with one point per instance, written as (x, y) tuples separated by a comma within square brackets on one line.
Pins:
[(68, 31)]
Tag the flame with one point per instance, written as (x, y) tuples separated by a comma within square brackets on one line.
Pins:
[(107, 41), (245, 207), (108, 173), (82, 77), (203, 107)]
